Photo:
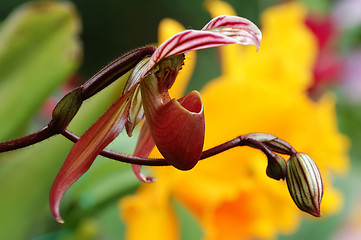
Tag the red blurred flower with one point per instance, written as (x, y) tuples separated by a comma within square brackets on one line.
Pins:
[(328, 63)]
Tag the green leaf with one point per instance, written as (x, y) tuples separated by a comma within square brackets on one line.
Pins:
[(39, 50)]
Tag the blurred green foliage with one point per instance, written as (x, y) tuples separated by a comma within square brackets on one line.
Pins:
[(34, 38), (111, 28), (40, 50)]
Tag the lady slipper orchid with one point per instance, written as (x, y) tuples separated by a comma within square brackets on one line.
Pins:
[(176, 127)]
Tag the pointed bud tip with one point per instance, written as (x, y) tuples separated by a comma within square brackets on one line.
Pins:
[(317, 214)]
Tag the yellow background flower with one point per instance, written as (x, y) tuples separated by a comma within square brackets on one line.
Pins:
[(229, 194)]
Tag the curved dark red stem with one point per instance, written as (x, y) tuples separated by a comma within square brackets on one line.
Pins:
[(236, 142), (48, 132), (114, 70), (31, 139)]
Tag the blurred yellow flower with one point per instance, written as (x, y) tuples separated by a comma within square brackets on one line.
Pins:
[(230, 195)]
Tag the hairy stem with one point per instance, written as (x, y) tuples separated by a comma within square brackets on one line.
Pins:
[(114, 70), (28, 140)]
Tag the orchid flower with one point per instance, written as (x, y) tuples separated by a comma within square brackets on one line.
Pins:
[(176, 127)]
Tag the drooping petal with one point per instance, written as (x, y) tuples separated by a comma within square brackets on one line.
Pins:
[(144, 146), (177, 127), (142, 177), (84, 152), (145, 142), (222, 30)]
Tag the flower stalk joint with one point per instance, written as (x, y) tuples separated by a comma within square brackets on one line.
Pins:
[(273, 143)]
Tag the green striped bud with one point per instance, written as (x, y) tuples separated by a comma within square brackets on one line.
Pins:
[(66, 109), (305, 183)]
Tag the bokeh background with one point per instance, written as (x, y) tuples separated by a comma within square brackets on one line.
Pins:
[(109, 28)]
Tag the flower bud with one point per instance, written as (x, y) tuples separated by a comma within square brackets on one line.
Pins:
[(276, 168), (305, 183), (66, 109)]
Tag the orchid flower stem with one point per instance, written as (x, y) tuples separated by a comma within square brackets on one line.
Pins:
[(261, 146), (48, 132), (114, 70), (121, 157), (236, 142), (28, 140)]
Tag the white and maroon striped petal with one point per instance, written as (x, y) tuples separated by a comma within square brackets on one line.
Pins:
[(222, 30), (226, 21)]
